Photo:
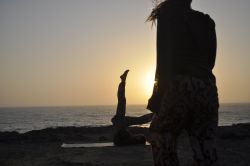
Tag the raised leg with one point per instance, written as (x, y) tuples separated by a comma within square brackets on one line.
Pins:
[(119, 119)]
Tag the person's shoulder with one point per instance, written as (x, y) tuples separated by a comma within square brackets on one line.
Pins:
[(197, 15)]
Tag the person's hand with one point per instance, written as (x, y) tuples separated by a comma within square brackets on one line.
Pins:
[(154, 104)]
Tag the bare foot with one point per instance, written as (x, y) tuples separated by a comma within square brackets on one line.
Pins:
[(124, 76)]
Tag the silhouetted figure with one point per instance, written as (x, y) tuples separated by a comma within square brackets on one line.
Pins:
[(122, 136), (121, 106), (185, 94)]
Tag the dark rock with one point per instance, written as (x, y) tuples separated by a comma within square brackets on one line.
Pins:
[(92, 134)]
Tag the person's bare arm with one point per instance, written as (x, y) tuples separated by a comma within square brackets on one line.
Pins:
[(138, 120)]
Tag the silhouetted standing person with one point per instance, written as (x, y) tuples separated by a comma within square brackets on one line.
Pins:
[(185, 94)]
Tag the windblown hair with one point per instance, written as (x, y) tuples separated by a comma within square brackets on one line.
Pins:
[(160, 5)]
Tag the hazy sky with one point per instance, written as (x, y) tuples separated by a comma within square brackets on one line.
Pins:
[(71, 52)]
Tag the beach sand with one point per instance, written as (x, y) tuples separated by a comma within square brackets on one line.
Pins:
[(43, 148)]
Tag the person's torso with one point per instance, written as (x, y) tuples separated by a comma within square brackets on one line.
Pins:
[(187, 43)]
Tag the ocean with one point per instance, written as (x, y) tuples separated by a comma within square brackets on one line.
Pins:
[(36, 118)]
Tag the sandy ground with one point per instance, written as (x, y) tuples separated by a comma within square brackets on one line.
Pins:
[(41, 148)]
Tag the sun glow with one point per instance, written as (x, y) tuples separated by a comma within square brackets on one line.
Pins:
[(149, 83)]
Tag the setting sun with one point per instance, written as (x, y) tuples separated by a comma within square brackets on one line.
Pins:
[(149, 83)]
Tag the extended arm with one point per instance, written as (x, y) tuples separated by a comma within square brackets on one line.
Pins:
[(139, 120)]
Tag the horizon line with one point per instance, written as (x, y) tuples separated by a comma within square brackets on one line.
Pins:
[(92, 105)]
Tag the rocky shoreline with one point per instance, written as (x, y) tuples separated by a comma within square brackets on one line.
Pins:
[(62, 134), (43, 147)]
